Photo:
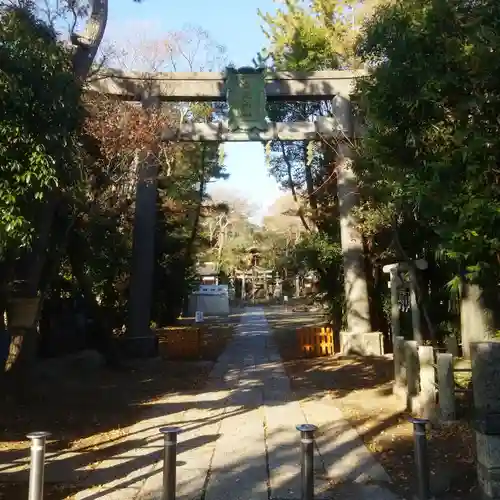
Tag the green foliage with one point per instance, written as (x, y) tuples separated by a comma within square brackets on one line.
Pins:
[(40, 115), (320, 252), (431, 104)]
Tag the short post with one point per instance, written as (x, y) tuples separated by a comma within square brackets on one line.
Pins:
[(421, 458), (400, 388), (37, 464), (427, 403), (169, 461), (485, 383), (415, 310), (446, 387), (412, 373), (307, 459)]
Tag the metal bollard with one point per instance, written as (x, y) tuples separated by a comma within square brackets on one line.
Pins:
[(37, 464), (307, 459), (421, 458), (169, 461)]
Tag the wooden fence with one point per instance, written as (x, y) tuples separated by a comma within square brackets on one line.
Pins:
[(315, 340)]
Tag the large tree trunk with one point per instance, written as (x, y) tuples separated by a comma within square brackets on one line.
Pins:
[(197, 215), (25, 306), (291, 183), (311, 195), (87, 44)]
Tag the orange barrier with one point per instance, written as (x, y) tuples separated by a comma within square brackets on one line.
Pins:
[(179, 342), (315, 340)]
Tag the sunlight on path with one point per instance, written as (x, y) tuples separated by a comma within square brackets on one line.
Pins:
[(239, 440)]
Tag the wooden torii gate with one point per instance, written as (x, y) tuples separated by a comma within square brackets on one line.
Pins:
[(248, 89)]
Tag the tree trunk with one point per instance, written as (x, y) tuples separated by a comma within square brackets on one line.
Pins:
[(87, 44), (300, 209), (311, 195), (197, 215)]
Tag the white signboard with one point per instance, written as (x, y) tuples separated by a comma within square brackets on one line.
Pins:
[(198, 317), (213, 289)]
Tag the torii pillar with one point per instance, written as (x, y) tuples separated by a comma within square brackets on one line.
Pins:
[(359, 337)]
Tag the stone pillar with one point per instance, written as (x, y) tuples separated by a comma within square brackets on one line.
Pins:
[(412, 373), (476, 321), (427, 374), (243, 287), (297, 286), (451, 344), (399, 388), (395, 313), (141, 341), (415, 310), (355, 285), (446, 387), (486, 383), (394, 284)]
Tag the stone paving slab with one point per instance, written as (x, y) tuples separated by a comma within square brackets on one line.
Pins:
[(345, 456), (239, 440)]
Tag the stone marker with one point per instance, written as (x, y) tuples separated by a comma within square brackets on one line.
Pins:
[(399, 388), (412, 373), (486, 384), (446, 385), (427, 396), (451, 344)]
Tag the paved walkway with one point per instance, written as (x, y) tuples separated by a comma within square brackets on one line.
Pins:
[(239, 440)]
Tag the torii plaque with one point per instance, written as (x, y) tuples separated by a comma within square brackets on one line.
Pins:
[(246, 97)]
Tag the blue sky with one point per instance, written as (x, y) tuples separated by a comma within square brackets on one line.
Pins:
[(232, 23)]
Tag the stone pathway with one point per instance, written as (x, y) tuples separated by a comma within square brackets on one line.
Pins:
[(239, 440)]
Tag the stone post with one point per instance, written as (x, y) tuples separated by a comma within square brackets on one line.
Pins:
[(243, 286), (395, 313), (297, 286), (451, 344), (446, 387), (394, 284), (427, 396), (399, 388), (415, 310), (412, 373), (486, 383)]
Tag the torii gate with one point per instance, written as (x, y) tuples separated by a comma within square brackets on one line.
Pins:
[(246, 91)]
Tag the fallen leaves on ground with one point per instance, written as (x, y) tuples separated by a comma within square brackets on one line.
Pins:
[(92, 414), (362, 388)]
